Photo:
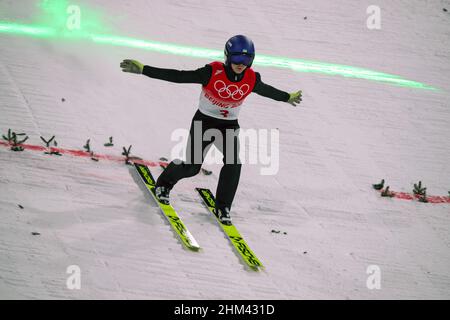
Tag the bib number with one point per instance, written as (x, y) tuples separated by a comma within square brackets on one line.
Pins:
[(224, 113)]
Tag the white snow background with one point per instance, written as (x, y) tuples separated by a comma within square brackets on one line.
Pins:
[(346, 134)]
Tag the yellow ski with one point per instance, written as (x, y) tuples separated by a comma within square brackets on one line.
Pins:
[(233, 234), (169, 212)]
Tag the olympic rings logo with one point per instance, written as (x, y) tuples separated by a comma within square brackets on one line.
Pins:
[(231, 91)]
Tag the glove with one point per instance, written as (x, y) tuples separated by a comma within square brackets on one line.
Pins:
[(132, 66), (295, 98)]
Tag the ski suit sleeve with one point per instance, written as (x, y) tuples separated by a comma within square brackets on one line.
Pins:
[(201, 75), (268, 91)]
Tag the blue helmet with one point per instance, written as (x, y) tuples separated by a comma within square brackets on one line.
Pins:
[(239, 50)]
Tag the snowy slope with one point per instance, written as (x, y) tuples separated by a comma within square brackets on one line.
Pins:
[(346, 135)]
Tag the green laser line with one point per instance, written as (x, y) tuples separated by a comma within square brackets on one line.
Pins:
[(299, 65), (21, 29)]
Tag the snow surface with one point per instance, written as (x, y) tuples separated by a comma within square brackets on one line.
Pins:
[(346, 135)]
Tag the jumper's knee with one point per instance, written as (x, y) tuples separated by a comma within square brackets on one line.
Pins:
[(191, 169)]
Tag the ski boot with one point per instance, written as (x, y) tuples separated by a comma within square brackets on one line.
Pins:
[(223, 214), (162, 194)]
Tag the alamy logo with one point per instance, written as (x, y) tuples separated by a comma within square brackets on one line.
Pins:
[(74, 280), (373, 22), (74, 18), (231, 91), (374, 278), (255, 146)]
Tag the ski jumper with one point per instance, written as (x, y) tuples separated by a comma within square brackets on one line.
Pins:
[(215, 122)]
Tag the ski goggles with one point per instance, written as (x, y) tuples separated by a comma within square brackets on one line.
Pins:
[(240, 58)]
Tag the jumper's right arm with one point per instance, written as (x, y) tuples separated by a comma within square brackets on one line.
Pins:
[(201, 75)]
